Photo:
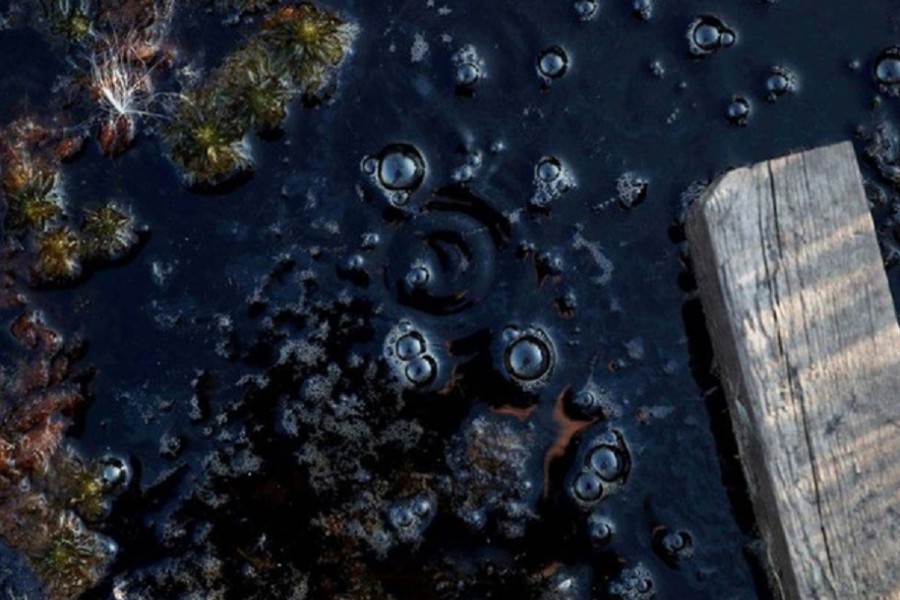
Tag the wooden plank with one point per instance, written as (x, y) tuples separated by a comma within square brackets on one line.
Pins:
[(808, 348)]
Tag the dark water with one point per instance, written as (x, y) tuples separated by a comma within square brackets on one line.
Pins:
[(638, 334)]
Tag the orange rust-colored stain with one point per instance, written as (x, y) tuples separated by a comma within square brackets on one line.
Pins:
[(520, 412), (568, 429)]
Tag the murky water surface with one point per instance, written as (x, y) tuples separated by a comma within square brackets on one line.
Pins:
[(450, 307)]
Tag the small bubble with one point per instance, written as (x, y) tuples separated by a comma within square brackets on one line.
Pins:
[(469, 69), (422, 507), (370, 165), (600, 528), (553, 62), (673, 547), (587, 487), (418, 276), (528, 358), (887, 71), (467, 75), (356, 263), (551, 180), (401, 168), (707, 34), (548, 169), (738, 111), (586, 9), (635, 583), (370, 241), (410, 346), (401, 517), (780, 82), (585, 403), (421, 371), (113, 473)]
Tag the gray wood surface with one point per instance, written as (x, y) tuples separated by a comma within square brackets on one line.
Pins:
[(808, 349)]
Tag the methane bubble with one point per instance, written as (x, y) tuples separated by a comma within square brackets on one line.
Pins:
[(586, 9), (421, 371), (887, 71), (707, 34), (587, 487), (401, 168), (781, 81), (553, 63), (469, 69), (528, 355), (398, 171), (738, 111)]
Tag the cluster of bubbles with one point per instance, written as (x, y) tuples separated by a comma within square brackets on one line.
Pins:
[(552, 179), (407, 350), (467, 171), (635, 583), (528, 356), (410, 517), (602, 468), (708, 34), (397, 171)]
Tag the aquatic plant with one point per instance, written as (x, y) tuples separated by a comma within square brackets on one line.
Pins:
[(35, 205), (68, 18), (41, 508), (108, 232), (297, 51), (58, 256), (309, 41), (122, 88), (30, 181), (208, 145), (259, 91)]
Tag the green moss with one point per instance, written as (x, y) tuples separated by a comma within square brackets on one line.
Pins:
[(58, 256), (33, 206), (297, 51), (107, 233)]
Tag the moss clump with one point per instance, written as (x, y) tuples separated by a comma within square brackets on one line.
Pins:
[(107, 233), (35, 205), (297, 52), (208, 146), (58, 256), (310, 43)]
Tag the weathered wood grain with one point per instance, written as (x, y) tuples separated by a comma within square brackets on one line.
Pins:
[(806, 340)]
